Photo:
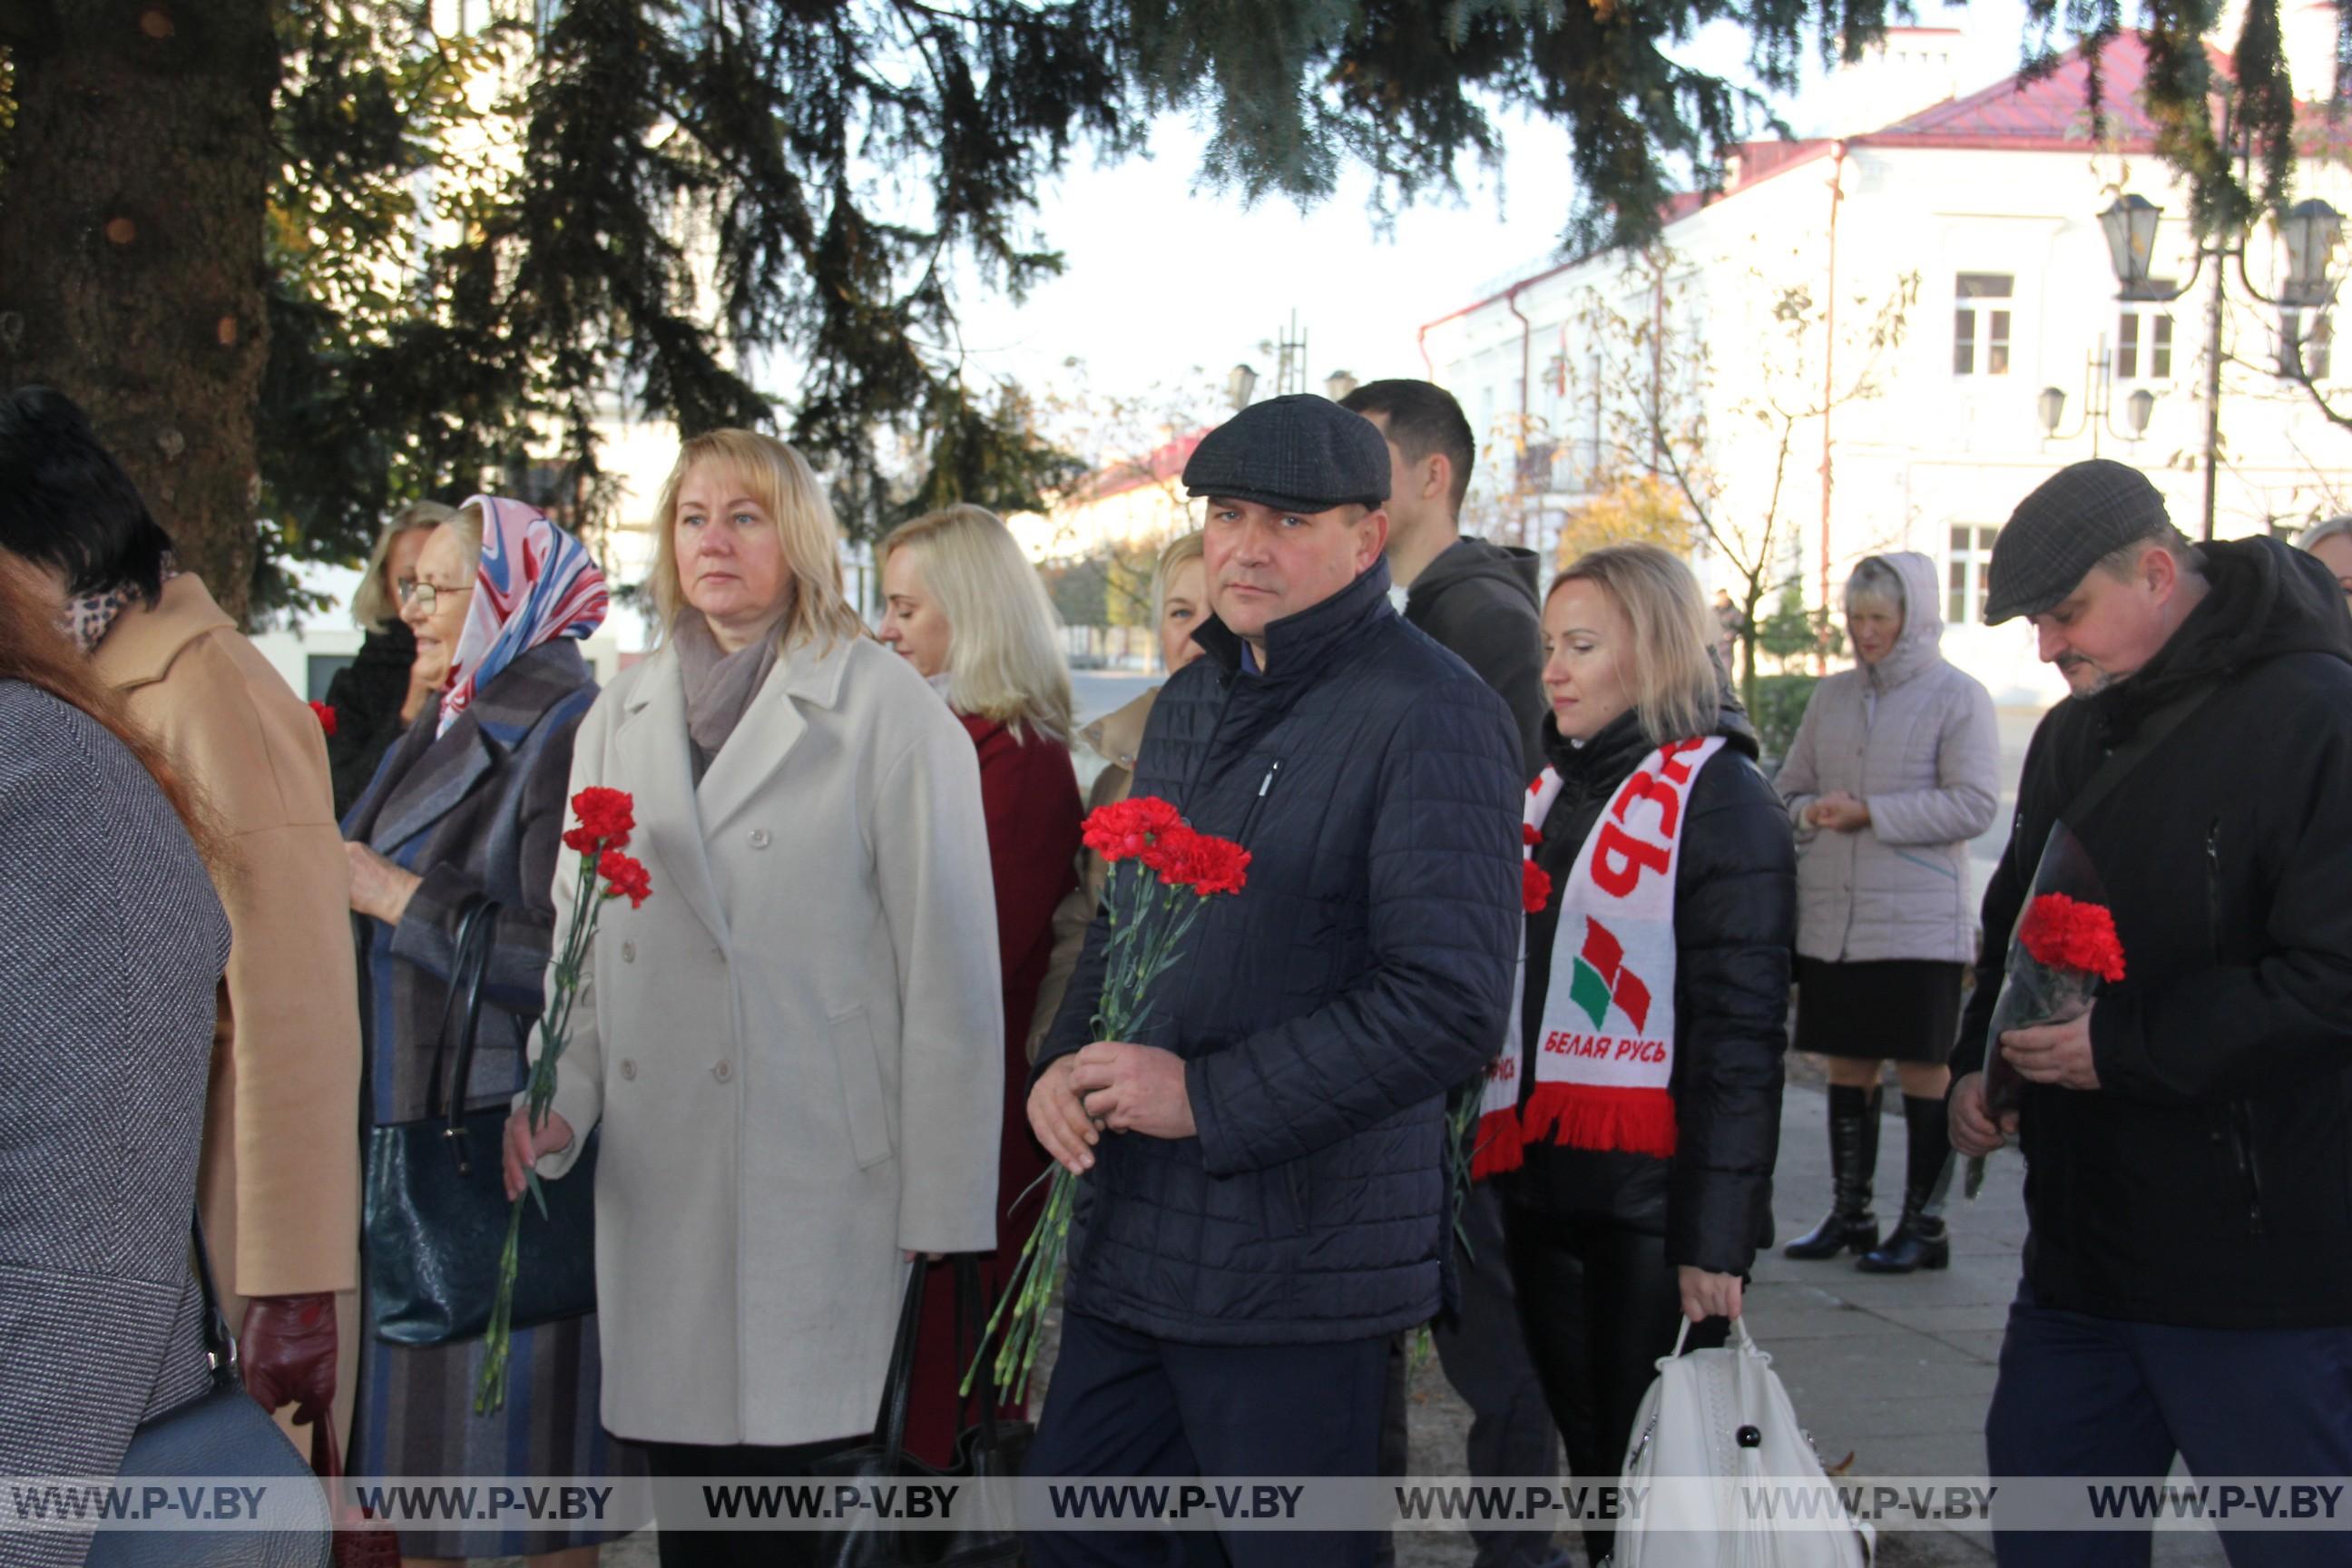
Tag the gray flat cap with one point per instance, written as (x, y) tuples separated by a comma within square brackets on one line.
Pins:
[(2074, 520), (1299, 453)]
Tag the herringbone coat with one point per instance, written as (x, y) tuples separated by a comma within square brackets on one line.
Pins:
[(112, 946)]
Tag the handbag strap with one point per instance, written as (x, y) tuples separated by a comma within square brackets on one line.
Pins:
[(2119, 762), (476, 926), (899, 1379), (220, 1345), (971, 1318)]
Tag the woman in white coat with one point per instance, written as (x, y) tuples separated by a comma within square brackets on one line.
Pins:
[(1895, 768), (793, 1050)]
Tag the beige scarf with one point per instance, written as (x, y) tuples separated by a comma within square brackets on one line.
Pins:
[(719, 685)]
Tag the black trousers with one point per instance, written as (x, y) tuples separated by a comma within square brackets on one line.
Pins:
[(2080, 1395), (1484, 1357), (1125, 1404), (730, 1549), (1600, 1305)]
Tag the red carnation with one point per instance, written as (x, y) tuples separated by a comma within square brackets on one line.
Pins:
[(606, 818), (1535, 886), (2067, 934), (1528, 835), (326, 717), (1200, 861), (624, 877), (1124, 829)]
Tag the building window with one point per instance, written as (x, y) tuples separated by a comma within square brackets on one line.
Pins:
[(1971, 556), (1981, 323), (2143, 346), (2305, 339)]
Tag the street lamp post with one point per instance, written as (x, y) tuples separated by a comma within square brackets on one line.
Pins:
[(2098, 404), (1240, 383), (2310, 230)]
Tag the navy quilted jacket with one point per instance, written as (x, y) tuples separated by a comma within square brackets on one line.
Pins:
[(1324, 1012)]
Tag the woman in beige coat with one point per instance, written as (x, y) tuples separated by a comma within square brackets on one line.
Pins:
[(1179, 593), (793, 1050)]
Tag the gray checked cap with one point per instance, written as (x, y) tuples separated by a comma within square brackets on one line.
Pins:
[(2074, 520), (1298, 453)]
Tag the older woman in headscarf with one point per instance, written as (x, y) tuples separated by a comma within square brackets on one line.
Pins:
[(471, 805)]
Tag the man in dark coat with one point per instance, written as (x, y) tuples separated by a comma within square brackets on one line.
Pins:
[(1263, 1201), (2188, 1286), (1482, 602)]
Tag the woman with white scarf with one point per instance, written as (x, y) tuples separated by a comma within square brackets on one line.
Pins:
[(1634, 1116)]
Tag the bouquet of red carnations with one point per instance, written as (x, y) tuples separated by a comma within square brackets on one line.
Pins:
[(1161, 874), (607, 816), (2063, 947)]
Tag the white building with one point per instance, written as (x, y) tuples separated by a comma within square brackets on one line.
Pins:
[(1989, 205)]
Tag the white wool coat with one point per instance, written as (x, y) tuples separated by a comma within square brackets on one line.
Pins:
[(794, 1051)]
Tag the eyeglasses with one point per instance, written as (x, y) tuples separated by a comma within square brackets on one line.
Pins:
[(425, 594)]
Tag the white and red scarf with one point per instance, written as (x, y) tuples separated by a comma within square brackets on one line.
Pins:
[(1605, 1053)]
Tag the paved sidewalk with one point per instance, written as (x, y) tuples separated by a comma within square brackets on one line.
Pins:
[(1896, 1371)]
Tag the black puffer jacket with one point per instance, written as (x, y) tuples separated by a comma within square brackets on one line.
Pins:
[(2207, 1181), (1735, 925), (1325, 1011), (1483, 602)]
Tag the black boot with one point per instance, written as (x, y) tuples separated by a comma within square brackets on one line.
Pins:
[(1921, 1240), (1854, 1161)]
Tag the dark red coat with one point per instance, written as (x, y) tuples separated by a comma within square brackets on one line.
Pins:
[(1030, 796)]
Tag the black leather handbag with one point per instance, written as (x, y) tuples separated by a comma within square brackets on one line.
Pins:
[(435, 1217), (221, 1432), (991, 1450)]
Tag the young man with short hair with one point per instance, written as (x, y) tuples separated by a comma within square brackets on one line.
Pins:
[(1482, 602)]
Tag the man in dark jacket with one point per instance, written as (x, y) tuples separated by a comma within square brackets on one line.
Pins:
[(2188, 1284), (1482, 603), (1263, 1197), (1481, 600)]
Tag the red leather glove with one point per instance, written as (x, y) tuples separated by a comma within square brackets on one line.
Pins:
[(288, 1346)]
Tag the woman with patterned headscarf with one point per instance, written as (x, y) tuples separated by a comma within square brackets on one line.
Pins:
[(471, 805)]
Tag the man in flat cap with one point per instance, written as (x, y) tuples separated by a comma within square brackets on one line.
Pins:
[(1263, 1196), (2188, 1284)]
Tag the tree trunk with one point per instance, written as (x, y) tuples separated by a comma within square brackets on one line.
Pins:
[(1747, 649), (131, 265)]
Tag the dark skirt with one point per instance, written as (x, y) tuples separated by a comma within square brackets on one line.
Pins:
[(1904, 1009)]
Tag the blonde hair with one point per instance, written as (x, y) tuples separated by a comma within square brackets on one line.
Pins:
[(1181, 549), (1670, 669), (376, 605), (1004, 661), (786, 488)]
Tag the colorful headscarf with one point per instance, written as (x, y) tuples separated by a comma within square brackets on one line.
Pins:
[(535, 583)]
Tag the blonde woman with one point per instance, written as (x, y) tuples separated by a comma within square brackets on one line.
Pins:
[(965, 608), (787, 1046), (385, 687), (1180, 602), (1645, 1193)]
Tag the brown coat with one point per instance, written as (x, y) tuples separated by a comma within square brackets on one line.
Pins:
[(280, 1181), (1115, 737)]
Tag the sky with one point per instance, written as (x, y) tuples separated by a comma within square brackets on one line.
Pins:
[(1164, 275)]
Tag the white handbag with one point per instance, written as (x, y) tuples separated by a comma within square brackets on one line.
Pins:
[(1714, 1425)]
